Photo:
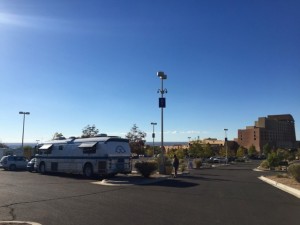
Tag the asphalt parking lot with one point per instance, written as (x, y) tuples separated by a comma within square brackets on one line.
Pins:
[(222, 195)]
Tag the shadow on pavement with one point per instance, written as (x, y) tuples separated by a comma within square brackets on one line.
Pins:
[(177, 183), (204, 178)]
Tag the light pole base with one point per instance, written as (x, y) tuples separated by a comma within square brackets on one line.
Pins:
[(162, 168)]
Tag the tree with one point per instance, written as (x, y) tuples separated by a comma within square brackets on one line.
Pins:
[(196, 149), (230, 152), (89, 131), (58, 136), (297, 154), (28, 151), (3, 145), (136, 139), (267, 149), (252, 151), (179, 152), (282, 154), (240, 152), (207, 151)]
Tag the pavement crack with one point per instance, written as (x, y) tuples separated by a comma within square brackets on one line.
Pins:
[(12, 213)]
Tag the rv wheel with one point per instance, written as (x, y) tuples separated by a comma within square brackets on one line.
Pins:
[(88, 170)]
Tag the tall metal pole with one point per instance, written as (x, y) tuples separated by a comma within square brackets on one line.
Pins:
[(226, 144), (189, 156), (162, 117), (162, 105), (37, 147), (153, 135), (24, 113), (189, 146)]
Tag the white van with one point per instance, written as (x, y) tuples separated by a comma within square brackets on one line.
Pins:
[(13, 162), (104, 156)]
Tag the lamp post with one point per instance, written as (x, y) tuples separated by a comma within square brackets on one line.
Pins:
[(24, 113), (37, 146), (189, 145), (226, 144), (162, 105), (189, 156), (153, 135)]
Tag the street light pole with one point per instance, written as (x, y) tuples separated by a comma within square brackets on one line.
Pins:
[(24, 113), (162, 105), (226, 144), (153, 134), (37, 146), (189, 156)]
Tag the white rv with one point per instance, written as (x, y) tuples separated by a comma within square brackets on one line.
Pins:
[(104, 156)]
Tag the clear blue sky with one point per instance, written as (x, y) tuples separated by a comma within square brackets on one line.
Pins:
[(74, 63)]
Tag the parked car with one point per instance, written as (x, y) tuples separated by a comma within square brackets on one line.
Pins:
[(13, 162), (217, 160), (30, 165)]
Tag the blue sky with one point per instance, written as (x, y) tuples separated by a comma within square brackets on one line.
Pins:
[(74, 63)]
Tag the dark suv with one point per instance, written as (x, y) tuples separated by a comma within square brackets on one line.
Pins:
[(13, 162)]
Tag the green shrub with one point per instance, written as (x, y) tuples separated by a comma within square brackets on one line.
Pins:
[(264, 164), (168, 162), (240, 160), (273, 160), (294, 171), (182, 167), (197, 163), (146, 168)]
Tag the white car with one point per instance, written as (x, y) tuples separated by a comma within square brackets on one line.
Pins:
[(13, 162)]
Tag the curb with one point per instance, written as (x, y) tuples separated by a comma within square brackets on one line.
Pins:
[(18, 222), (290, 190), (130, 182)]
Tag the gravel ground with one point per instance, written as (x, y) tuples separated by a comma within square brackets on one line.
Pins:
[(286, 181)]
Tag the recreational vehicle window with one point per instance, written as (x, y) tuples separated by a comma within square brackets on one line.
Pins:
[(46, 149), (88, 147)]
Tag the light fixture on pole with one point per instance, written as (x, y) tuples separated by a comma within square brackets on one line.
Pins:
[(226, 144), (162, 105), (23, 113), (153, 135)]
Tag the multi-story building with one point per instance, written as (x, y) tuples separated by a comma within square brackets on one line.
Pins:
[(277, 130)]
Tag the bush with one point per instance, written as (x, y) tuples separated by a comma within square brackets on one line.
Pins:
[(273, 160), (240, 160), (146, 168), (197, 163), (294, 171), (264, 164), (182, 167)]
